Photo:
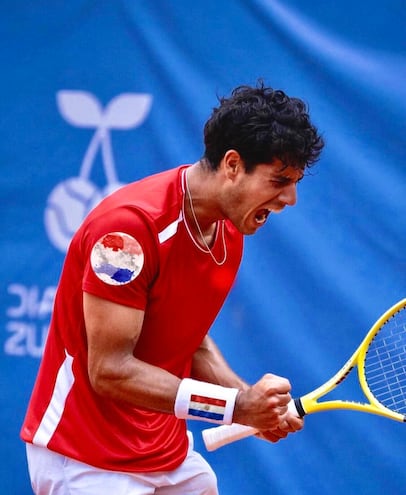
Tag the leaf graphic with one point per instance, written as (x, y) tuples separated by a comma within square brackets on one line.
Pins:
[(127, 110), (79, 108)]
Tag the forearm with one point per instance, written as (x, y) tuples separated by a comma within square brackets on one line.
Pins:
[(136, 383), (141, 384), (209, 365)]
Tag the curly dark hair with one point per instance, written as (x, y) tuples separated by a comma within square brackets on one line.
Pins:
[(262, 124)]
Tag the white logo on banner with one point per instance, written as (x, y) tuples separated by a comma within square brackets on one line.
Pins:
[(28, 319), (68, 204), (71, 200)]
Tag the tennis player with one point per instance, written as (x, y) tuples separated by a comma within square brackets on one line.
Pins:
[(128, 357)]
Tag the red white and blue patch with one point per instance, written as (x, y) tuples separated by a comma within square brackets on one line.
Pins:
[(207, 407), (117, 258)]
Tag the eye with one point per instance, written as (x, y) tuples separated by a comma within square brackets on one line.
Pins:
[(281, 181)]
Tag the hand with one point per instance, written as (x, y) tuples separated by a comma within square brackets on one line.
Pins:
[(264, 406), (290, 424)]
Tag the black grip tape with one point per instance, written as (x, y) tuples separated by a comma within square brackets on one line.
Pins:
[(299, 407)]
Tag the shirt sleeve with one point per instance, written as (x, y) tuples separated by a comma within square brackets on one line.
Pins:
[(121, 256)]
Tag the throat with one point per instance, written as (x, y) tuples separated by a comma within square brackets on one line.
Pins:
[(206, 237)]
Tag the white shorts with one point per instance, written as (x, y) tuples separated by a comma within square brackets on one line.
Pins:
[(55, 474)]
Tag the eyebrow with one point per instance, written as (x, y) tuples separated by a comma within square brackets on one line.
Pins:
[(287, 178)]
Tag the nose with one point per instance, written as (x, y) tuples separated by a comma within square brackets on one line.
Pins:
[(289, 194)]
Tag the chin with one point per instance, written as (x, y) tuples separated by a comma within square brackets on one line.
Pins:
[(250, 230)]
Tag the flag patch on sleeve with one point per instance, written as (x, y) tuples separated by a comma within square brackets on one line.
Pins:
[(117, 258)]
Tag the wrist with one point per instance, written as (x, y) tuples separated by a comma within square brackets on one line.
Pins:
[(237, 408), (205, 401)]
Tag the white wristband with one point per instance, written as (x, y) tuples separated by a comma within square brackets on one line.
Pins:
[(205, 401)]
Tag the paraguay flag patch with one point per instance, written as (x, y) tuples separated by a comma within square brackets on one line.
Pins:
[(207, 407), (117, 258)]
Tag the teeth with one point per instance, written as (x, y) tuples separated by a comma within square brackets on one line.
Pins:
[(262, 216)]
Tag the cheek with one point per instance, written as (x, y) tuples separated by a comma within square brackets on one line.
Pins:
[(232, 199), (241, 201), (235, 209)]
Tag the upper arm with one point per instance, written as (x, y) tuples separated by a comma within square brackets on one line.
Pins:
[(112, 332)]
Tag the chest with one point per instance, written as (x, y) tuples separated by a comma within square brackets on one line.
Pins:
[(186, 296)]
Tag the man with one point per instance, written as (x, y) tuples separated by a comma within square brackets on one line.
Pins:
[(128, 357)]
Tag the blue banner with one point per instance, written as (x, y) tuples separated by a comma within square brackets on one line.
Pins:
[(98, 94)]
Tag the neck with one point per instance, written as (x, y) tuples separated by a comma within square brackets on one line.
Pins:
[(201, 221), (203, 239)]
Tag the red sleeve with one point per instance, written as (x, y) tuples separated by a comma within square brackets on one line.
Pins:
[(102, 232)]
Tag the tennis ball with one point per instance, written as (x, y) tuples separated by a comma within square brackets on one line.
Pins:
[(106, 191), (67, 206)]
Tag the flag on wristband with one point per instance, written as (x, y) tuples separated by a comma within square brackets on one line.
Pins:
[(207, 407)]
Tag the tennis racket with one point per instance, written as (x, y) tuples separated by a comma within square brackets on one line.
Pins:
[(381, 362)]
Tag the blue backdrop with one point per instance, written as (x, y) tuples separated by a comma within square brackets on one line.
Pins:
[(95, 94)]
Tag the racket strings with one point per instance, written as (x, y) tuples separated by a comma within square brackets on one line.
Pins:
[(385, 363)]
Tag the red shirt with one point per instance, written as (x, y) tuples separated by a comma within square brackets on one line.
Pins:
[(181, 290)]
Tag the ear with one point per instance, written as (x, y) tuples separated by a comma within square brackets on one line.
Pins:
[(232, 163)]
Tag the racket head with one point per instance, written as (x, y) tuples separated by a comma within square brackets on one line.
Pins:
[(310, 402), (382, 362)]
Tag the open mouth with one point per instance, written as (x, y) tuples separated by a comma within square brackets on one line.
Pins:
[(262, 215)]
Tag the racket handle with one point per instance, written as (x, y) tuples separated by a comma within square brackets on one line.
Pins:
[(217, 437)]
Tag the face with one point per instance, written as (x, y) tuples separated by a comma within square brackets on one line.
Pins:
[(252, 197)]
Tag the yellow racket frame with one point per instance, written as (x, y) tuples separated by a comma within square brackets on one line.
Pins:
[(309, 402)]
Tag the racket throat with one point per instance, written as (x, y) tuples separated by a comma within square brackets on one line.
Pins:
[(298, 404)]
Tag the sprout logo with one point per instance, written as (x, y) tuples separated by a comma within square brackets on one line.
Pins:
[(71, 200)]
